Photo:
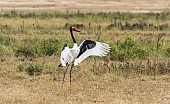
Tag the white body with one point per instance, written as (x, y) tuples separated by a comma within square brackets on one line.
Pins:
[(68, 55)]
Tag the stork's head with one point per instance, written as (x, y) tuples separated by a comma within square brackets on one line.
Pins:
[(74, 29)]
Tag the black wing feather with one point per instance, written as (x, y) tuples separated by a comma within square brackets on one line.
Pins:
[(87, 44)]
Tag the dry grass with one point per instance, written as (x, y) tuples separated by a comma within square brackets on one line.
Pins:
[(86, 87)]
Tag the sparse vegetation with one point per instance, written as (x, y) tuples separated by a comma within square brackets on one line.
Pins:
[(30, 68), (131, 47), (31, 42)]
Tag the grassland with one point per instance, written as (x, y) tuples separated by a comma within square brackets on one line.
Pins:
[(136, 71)]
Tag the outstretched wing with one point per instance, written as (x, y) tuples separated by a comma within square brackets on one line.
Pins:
[(91, 48), (66, 56)]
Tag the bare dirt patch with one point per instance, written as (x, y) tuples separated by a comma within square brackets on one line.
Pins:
[(87, 5)]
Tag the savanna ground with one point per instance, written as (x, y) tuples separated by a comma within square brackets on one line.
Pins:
[(136, 71)]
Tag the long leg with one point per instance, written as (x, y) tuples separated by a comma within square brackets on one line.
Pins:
[(71, 72), (65, 74)]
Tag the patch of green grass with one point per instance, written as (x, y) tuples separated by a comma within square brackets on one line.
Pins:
[(34, 69), (127, 50), (37, 47), (89, 16), (30, 68), (5, 51)]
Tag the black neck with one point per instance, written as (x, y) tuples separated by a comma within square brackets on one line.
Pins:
[(71, 31)]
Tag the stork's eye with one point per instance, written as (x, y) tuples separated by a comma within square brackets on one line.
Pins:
[(73, 28)]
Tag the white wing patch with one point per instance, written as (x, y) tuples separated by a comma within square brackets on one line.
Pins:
[(101, 49)]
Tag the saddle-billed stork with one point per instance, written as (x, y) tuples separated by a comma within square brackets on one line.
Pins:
[(77, 54)]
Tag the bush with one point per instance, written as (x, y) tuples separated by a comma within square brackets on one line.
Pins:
[(49, 47), (34, 69), (30, 68), (25, 51), (37, 47), (128, 49)]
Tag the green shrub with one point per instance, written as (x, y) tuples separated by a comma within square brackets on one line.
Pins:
[(34, 69), (37, 47), (128, 49), (49, 47), (25, 51)]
